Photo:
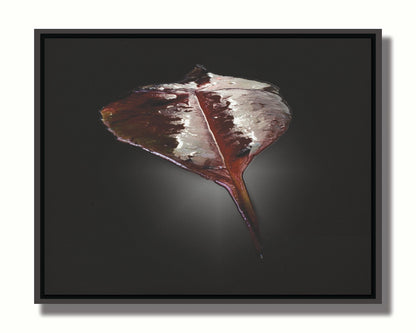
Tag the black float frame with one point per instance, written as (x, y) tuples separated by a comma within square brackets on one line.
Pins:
[(376, 246)]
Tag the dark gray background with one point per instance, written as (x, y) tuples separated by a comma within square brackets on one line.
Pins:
[(119, 220)]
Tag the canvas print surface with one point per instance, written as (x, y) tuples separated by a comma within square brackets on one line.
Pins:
[(131, 123)]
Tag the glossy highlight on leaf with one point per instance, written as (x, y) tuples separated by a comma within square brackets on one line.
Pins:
[(209, 124)]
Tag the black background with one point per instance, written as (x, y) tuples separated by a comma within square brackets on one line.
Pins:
[(121, 221)]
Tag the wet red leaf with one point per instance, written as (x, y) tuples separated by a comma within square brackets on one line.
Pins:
[(209, 124)]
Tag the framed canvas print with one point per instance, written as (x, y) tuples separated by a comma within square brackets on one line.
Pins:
[(208, 166)]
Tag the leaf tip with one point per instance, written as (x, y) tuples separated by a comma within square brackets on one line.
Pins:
[(197, 73)]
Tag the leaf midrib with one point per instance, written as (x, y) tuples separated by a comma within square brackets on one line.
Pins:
[(214, 138)]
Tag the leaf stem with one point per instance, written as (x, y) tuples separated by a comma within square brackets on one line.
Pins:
[(238, 191)]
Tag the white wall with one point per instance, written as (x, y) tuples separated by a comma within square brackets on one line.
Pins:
[(18, 19)]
